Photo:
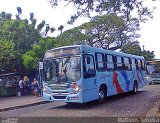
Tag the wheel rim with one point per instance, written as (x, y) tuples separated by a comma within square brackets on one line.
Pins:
[(135, 88), (101, 95)]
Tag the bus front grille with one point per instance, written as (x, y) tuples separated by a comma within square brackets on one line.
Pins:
[(59, 97), (59, 88)]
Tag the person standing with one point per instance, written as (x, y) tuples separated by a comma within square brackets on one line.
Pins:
[(36, 89), (26, 85), (21, 87)]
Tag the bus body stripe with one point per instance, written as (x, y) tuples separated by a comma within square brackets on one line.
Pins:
[(116, 83)]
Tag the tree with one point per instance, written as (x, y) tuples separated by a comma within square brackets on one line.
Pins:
[(60, 28), (7, 54), (135, 49), (41, 25), (19, 10), (33, 20), (109, 31), (70, 37), (148, 55), (132, 48), (122, 7), (23, 34), (4, 16), (52, 29), (47, 28), (32, 57)]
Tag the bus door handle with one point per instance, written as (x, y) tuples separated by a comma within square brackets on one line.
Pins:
[(95, 81)]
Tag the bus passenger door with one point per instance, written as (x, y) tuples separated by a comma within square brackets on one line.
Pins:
[(89, 78)]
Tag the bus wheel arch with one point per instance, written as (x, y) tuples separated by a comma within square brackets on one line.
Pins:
[(135, 87), (102, 92)]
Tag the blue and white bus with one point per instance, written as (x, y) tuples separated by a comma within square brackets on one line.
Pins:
[(153, 71), (80, 73)]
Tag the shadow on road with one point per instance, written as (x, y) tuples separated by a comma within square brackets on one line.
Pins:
[(96, 103)]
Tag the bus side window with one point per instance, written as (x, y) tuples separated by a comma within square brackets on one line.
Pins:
[(136, 63), (88, 66), (142, 65), (127, 63), (139, 64), (133, 64), (110, 62), (119, 63), (100, 61), (130, 62)]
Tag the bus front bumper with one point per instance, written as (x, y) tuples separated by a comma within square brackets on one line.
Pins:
[(68, 98)]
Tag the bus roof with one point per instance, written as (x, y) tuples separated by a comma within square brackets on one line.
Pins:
[(87, 48)]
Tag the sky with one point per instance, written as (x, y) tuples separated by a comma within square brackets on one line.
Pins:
[(150, 31)]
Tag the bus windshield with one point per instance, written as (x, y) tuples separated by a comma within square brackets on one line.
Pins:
[(62, 69), (153, 69)]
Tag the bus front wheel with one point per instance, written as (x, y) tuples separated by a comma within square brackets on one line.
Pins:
[(102, 93)]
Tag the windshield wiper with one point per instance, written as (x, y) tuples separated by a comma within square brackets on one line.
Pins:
[(66, 61)]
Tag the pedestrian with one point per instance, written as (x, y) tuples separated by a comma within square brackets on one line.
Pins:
[(36, 88), (21, 87), (26, 85)]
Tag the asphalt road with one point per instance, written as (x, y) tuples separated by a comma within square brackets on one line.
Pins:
[(124, 105)]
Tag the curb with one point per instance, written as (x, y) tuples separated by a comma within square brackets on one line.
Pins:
[(155, 111), (22, 106)]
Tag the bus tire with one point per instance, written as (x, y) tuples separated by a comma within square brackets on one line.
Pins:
[(102, 93), (135, 87)]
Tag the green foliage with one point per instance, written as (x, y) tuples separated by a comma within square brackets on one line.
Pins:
[(4, 16), (70, 37), (60, 28), (7, 54), (134, 48), (32, 57), (119, 7), (41, 25), (24, 37), (109, 31), (29, 60), (148, 55)]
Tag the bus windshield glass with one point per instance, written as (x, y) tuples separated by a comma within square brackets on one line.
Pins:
[(62, 69), (153, 68)]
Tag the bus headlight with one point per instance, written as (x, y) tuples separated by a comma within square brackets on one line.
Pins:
[(45, 90), (148, 77), (76, 89)]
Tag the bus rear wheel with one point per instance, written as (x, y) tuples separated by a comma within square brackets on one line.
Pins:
[(102, 93), (135, 87)]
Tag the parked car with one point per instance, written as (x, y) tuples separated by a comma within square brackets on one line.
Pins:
[(9, 84)]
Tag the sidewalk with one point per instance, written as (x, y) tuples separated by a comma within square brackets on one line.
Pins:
[(155, 111), (8, 103)]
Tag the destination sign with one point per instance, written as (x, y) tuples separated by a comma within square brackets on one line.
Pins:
[(62, 52)]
